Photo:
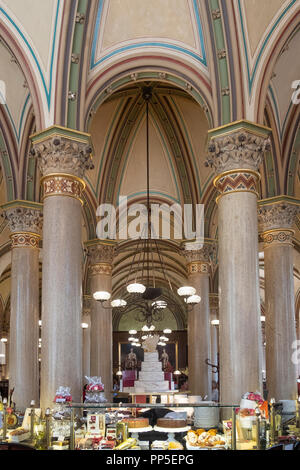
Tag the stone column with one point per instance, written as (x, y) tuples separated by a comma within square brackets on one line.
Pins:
[(100, 272), (86, 338), (277, 216), (214, 331), (63, 156), (199, 341), (25, 223), (236, 152)]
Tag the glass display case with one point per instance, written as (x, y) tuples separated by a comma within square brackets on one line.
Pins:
[(161, 426)]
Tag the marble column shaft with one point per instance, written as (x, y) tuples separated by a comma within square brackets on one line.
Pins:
[(214, 332), (25, 224), (100, 272), (63, 156), (86, 344), (280, 327), (236, 152), (199, 340)]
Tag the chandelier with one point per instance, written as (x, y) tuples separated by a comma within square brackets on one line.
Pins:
[(141, 294)]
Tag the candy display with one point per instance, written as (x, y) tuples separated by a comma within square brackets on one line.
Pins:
[(63, 395), (94, 391)]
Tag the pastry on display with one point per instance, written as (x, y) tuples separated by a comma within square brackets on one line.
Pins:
[(171, 423), (174, 445), (202, 438), (159, 445), (18, 432), (136, 422)]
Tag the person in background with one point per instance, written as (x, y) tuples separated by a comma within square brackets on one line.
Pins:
[(115, 387)]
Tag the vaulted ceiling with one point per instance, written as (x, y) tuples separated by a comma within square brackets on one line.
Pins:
[(210, 62)]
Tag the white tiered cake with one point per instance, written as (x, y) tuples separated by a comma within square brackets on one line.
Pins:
[(151, 376)]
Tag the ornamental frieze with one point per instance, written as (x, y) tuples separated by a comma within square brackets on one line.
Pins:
[(277, 237), (240, 149), (61, 185), (63, 155), (198, 267), (26, 240), (101, 268), (24, 219), (238, 181)]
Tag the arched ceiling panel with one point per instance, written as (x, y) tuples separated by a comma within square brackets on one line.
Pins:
[(286, 71), (178, 130), (172, 25), (15, 94), (34, 26), (258, 16), (162, 177)]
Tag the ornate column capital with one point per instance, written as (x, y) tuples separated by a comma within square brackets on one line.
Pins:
[(101, 255), (25, 221), (235, 151), (200, 260), (276, 217), (63, 156)]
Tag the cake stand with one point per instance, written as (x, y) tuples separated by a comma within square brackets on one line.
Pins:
[(172, 431), (135, 431)]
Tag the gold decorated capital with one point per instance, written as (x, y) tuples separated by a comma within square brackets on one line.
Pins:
[(235, 152), (200, 260), (100, 257), (276, 217), (62, 150), (25, 221)]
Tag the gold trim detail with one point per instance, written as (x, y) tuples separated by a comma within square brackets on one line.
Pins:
[(278, 237), (62, 185), (100, 268), (239, 180), (198, 267), (25, 240), (62, 128), (235, 170), (242, 124)]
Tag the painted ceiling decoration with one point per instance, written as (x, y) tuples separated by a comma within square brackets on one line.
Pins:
[(178, 28)]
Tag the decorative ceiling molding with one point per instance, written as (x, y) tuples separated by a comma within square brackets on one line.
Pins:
[(155, 43)]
